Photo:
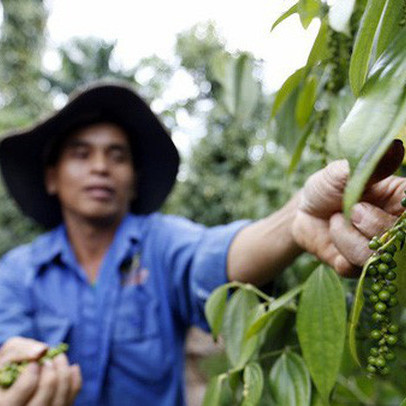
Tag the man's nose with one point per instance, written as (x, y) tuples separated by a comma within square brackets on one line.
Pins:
[(99, 163)]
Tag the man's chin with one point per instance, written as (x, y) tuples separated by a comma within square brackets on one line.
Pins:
[(101, 218), (105, 219)]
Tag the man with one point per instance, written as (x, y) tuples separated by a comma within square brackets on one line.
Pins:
[(120, 283)]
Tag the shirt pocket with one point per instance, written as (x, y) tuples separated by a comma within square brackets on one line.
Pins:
[(139, 342), (137, 316)]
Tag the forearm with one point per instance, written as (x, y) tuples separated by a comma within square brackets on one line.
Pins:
[(262, 249)]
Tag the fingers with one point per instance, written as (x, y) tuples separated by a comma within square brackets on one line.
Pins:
[(76, 383), (345, 268), (351, 240), (56, 383), (63, 377), (23, 388), (352, 245), (313, 235), (371, 220), (387, 194), (61, 381), (323, 191), (46, 386), (21, 349)]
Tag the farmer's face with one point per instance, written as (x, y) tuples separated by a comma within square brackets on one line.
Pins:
[(94, 178)]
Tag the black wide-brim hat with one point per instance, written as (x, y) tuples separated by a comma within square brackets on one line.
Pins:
[(157, 159)]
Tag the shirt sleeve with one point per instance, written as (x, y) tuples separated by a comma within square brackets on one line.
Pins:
[(196, 264), (15, 314)]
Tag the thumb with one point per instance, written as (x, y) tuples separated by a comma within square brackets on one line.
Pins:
[(323, 192), (21, 349)]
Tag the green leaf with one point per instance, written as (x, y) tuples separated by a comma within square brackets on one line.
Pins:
[(284, 16), (300, 146), (289, 86), (306, 100), (253, 384), (363, 47), (258, 320), (214, 309), (317, 400), (222, 68), (286, 129), (390, 26), (259, 324), (236, 319), (239, 89), (321, 325), (320, 51), (366, 166), (262, 320), (283, 300), (247, 89), (375, 119), (400, 258), (290, 381), (403, 403), (340, 15), (340, 106), (212, 396), (308, 9), (369, 119), (234, 379)]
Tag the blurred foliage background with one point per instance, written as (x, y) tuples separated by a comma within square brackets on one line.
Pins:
[(236, 167)]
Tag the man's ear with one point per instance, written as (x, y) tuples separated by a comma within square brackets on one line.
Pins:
[(50, 180)]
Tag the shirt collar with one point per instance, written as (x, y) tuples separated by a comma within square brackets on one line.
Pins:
[(48, 246), (55, 243)]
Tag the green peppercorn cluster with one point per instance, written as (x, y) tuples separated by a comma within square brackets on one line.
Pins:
[(340, 47), (318, 138), (382, 297), (402, 22), (355, 21), (10, 372)]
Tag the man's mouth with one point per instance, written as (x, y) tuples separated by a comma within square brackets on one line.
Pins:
[(100, 192)]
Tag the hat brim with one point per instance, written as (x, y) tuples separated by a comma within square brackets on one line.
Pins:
[(21, 153)]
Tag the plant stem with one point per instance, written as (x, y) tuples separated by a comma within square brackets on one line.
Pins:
[(275, 353), (252, 288)]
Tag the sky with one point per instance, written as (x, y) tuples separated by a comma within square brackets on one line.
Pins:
[(150, 27)]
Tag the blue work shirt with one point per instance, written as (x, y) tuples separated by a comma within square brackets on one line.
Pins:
[(127, 331)]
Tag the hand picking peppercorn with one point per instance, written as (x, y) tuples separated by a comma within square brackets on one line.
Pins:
[(10, 372)]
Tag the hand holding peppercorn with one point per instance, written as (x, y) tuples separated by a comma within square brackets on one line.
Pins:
[(52, 383), (313, 221), (321, 229)]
